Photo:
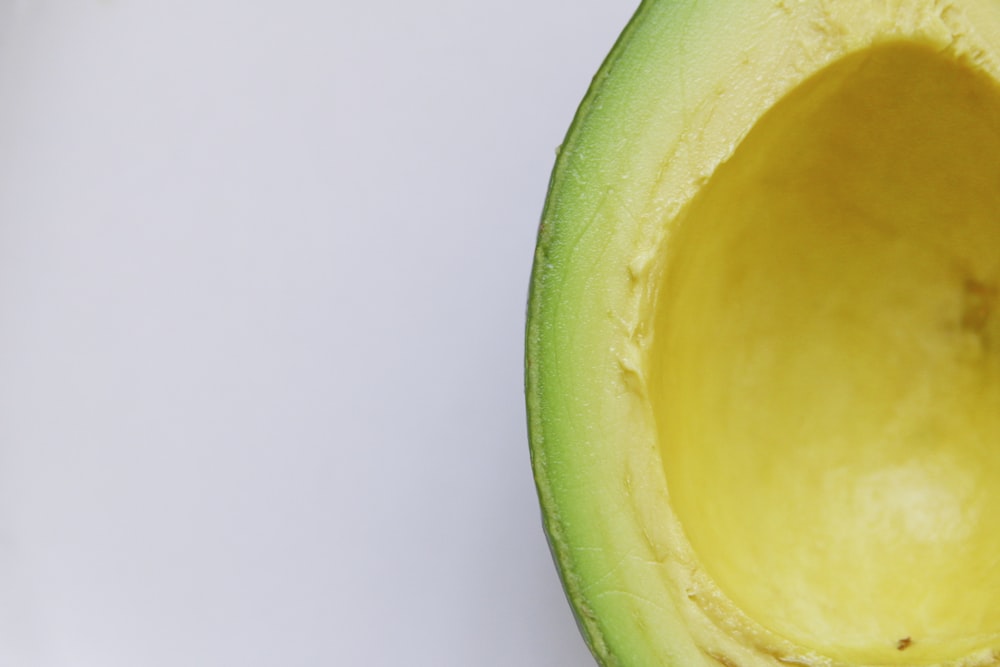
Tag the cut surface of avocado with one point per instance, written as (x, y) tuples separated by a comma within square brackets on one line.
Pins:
[(763, 345)]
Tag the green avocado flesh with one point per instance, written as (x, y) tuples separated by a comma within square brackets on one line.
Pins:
[(763, 344)]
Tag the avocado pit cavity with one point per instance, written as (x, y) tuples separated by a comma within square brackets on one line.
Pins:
[(826, 363)]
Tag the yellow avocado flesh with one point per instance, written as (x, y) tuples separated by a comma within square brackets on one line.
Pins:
[(826, 362)]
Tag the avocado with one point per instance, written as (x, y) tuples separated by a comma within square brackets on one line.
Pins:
[(763, 338)]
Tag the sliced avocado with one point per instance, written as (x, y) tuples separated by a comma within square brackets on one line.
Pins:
[(763, 342)]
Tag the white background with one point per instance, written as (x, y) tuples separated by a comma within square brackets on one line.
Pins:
[(263, 269)]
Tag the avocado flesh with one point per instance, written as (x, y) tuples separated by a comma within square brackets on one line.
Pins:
[(827, 363), (760, 401)]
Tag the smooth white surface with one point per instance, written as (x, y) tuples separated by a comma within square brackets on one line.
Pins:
[(262, 279)]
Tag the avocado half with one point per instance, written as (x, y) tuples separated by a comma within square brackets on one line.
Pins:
[(763, 342)]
